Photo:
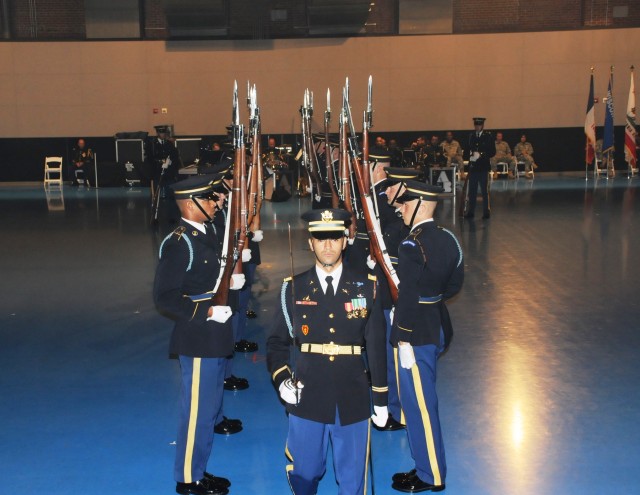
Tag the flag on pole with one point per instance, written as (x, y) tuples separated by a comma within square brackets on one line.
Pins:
[(608, 143), (590, 125), (630, 128)]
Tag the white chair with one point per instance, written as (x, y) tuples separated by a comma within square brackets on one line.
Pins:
[(53, 170), (521, 163)]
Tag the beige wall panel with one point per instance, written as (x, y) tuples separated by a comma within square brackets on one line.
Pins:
[(7, 90), (120, 89), (52, 89), (46, 58), (106, 120), (111, 58), (8, 124), (49, 120), (556, 47), (6, 58), (487, 50), (420, 82)]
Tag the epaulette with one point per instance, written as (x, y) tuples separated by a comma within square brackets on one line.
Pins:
[(179, 231), (372, 277), (288, 279), (412, 240)]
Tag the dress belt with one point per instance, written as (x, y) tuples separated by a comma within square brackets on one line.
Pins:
[(430, 300), (331, 349)]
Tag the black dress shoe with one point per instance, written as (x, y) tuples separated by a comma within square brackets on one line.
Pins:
[(228, 427), (202, 487), (217, 480), (235, 383), (404, 476), (392, 425), (251, 314), (416, 485), (246, 346)]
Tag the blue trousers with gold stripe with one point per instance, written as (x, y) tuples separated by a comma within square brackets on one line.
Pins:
[(200, 407), (393, 399), (417, 388), (307, 444)]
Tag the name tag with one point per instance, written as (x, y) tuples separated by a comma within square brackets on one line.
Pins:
[(307, 303)]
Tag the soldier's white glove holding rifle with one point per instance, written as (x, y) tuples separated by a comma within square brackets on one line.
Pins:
[(290, 392), (166, 163)]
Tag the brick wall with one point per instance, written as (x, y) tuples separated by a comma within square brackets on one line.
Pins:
[(48, 19), (64, 19), (495, 16), (155, 22)]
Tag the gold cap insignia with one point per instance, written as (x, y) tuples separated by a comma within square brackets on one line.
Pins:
[(327, 216)]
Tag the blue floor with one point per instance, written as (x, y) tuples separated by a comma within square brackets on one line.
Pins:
[(539, 393)]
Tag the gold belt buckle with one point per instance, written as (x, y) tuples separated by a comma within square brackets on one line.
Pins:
[(330, 349)]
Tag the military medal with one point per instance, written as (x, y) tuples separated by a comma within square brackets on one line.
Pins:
[(305, 329)]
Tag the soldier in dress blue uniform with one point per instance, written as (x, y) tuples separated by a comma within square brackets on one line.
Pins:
[(163, 157), (482, 148), (330, 313), (431, 270), (388, 190), (202, 337)]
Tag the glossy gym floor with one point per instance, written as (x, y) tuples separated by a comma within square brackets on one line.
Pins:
[(539, 392)]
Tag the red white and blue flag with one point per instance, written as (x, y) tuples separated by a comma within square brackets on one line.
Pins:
[(590, 126), (630, 131)]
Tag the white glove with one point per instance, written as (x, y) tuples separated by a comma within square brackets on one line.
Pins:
[(474, 156), (371, 263), (380, 416), (166, 163), (392, 313), (407, 358), (237, 281), (290, 392), (220, 314), (257, 236), (351, 241), (246, 255), (317, 198), (308, 189)]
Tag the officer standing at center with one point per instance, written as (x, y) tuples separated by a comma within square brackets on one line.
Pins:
[(482, 148), (329, 313), (431, 270)]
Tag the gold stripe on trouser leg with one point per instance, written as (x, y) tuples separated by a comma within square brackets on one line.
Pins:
[(193, 419), (426, 423), (366, 461), (395, 361), (289, 467)]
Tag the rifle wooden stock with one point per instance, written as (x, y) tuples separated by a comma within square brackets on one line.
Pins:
[(257, 178), (242, 209), (230, 253), (378, 247)]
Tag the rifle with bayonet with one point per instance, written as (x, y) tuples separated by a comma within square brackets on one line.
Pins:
[(309, 156), (231, 251), (328, 159), (378, 247)]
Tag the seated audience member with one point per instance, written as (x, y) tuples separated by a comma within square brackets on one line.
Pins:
[(524, 153), (452, 151), (81, 158), (503, 155)]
